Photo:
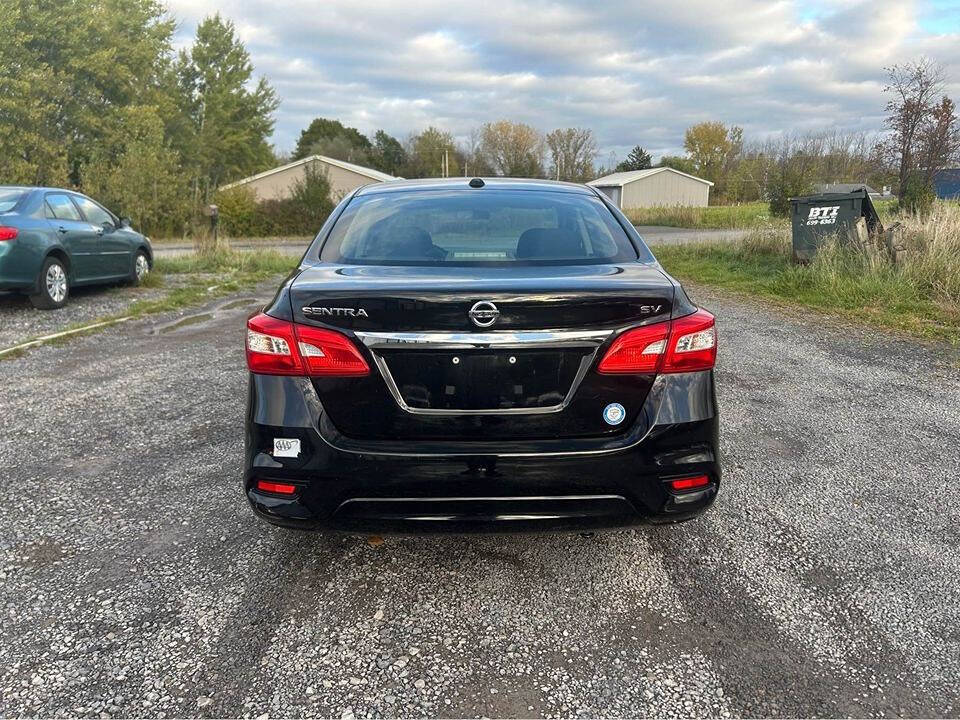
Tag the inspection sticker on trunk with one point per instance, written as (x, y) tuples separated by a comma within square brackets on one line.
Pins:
[(286, 447)]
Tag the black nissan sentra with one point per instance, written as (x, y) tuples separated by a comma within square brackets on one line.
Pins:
[(480, 355)]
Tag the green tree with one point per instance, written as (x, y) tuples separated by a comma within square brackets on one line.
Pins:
[(678, 162), (143, 179), (341, 147), (426, 152), (227, 122), (513, 149), (917, 195), (572, 152), (311, 197), (323, 130), (388, 154), (792, 176), (708, 144), (67, 71), (638, 159)]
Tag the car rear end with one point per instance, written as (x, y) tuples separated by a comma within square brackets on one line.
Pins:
[(480, 359), (17, 269)]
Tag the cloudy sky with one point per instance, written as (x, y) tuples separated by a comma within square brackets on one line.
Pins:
[(634, 72)]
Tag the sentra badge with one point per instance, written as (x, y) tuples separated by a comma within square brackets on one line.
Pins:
[(335, 311)]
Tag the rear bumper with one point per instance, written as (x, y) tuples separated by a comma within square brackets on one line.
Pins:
[(414, 487)]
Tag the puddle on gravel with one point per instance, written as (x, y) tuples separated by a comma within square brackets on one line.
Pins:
[(185, 322), (238, 303)]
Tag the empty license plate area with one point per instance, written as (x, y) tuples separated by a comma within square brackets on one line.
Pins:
[(485, 379)]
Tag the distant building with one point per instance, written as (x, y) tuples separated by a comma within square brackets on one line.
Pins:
[(654, 187), (277, 184), (946, 184)]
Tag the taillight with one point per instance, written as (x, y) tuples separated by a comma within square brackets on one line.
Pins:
[(682, 345), (326, 352), (275, 487), (693, 344), (636, 351), (8, 233), (278, 347), (689, 483), (271, 347)]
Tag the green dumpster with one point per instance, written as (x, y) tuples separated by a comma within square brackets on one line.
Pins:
[(817, 219)]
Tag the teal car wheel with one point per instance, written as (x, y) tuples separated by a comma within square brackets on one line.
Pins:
[(53, 287), (141, 267)]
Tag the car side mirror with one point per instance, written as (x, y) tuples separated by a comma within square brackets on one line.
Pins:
[(108, 226), (124, 222)]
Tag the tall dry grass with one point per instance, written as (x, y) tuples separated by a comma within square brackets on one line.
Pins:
[(931, 256), (927, 265), (918, 292), (748, 215)]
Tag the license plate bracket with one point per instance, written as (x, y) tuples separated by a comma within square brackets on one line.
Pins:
[(489, 380)]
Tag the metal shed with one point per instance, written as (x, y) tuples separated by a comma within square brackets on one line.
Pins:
[(654, 187), (278, 183), (946, 184)]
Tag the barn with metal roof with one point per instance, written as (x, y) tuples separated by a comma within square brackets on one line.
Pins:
[(654, 187)]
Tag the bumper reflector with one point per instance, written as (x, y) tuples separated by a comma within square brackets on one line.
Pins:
[(273, 487), (690, 483)]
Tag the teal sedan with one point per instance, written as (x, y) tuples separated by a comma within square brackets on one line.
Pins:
[(52, 240)]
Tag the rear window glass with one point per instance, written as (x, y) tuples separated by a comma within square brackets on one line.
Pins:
[(9, 199), (62, 207), (477, 227)]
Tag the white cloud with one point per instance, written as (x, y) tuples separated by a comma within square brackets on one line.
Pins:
[(635, 72)]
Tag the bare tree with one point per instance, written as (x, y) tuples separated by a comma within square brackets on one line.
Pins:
[(475, 163), (924, 135), (512, 149), (940, 138), (572, 152)]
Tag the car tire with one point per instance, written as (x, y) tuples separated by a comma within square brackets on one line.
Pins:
[(141, 267), (53, 285)]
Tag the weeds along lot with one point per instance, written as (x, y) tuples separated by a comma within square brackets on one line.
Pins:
[(721, 217), (194, 278), (727, 217), (919, 295)]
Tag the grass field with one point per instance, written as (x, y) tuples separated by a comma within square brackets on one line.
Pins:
[(727, 217), (748, 215), (919, 295)]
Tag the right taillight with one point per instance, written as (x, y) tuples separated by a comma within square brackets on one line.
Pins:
[(8, 233), (278, 347), (692, 345), (682, 345)]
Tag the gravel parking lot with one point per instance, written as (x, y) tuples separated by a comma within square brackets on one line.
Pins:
[(19, 320), (135, 582)]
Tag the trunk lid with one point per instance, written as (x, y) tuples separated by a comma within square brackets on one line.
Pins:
[(436, 374)]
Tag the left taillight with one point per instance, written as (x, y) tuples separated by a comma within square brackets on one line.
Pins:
[(8, 233), (278, 347), (683, 345)]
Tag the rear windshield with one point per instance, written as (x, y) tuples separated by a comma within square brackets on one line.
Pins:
[(9, 199), (477, 227)]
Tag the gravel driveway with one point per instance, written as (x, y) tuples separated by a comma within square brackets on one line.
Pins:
[(135, 582), (19, 320)]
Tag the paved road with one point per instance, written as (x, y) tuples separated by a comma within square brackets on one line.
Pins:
[(134, 581), (653, 234)]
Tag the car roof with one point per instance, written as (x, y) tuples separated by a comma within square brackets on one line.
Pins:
[(463, 183), (39, 188)]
